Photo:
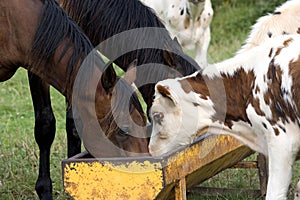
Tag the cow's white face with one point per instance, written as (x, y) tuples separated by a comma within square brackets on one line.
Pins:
[(175, 117)]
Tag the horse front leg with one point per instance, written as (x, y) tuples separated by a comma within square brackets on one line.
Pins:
[(73, 139), (44, 132)]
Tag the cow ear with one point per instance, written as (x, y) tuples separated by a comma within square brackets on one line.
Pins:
[(165, 92), (109, 78), (130, 75)]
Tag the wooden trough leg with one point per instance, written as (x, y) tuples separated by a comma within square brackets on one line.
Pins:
[(262, 165), (180, 190)]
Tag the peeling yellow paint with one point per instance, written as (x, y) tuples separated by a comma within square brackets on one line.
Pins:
[(134, 180), (185, 162)]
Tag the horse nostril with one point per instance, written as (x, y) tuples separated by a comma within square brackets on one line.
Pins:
[(158, 117)]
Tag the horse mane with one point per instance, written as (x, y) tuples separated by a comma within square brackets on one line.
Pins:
[(102, 19), (53, 28), (95, 17)]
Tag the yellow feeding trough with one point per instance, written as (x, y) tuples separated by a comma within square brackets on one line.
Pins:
[(146, 178)]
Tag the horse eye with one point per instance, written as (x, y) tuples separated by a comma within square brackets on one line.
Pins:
[(125, 130)]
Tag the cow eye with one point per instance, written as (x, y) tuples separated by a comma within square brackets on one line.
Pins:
[(158, 117), (195, 104)]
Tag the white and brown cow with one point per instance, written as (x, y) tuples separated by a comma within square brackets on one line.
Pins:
[(189, 21), (284, 20), (253, 96)]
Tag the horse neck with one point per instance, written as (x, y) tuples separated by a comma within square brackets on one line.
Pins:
[(56, 74), (57, 49)]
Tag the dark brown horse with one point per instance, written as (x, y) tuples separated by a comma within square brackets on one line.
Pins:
[(31, 37)]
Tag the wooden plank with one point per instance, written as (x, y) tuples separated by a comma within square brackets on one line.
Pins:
[(208, 191), (246, 165), (263, 173), (180, 190)]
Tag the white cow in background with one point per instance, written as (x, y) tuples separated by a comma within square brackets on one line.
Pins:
[(284, 20), (189, 21)]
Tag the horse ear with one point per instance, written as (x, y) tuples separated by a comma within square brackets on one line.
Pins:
[(177, 44), (109, 78), (130, 75), (165, 92), (169, 58)]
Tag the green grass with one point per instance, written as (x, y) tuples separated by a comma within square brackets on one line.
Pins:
[(19, 152)]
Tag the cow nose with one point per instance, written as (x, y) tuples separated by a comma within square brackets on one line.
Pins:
[(152, 150)]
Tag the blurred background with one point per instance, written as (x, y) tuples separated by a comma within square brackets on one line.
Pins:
[(19, 152)]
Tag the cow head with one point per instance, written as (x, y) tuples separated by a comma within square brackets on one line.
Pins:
[(171, 108)]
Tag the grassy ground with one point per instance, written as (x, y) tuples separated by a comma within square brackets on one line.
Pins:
[(19, 152)]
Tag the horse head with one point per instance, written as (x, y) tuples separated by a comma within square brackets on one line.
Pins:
[(120, 113)]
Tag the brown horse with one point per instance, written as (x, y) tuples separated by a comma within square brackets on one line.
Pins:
[(101, 20), (31, 37)]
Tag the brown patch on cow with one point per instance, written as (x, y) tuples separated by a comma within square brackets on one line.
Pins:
[(238, 94), (195, 84), (257, 90), (238, 89), (267, 98), (298, 30), (281, 109), (278, 51), (285, 44), (270, 53), (233, 100), (256, 105), (294, 67), (276, 131), (187, 22)]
